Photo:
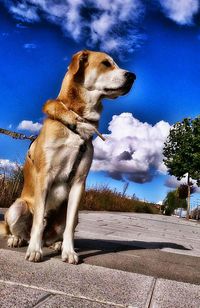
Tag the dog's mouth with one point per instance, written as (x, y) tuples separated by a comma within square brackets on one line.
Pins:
[(123, 89)]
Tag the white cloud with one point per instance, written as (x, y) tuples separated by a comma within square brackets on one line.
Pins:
[(24, 12), (110, 25), (100, 27), (181, 11), (29, 125), (172, 182), (30, 46), (133, 150), (7, 164)]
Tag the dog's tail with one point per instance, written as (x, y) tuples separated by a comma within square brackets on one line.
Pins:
[(4, 229)]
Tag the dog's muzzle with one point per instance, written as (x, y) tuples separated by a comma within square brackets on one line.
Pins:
[(130, 78)]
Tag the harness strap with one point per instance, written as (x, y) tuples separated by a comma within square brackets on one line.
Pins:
[(76, 164), (20, 136), (16, 135), (84, 121)]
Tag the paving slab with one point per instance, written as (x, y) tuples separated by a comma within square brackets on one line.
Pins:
[(150, 262), (175, 294), (98, 284), (18, 296)]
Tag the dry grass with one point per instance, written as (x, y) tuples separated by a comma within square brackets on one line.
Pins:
[(104, 199), (96, 199), (11, 183)]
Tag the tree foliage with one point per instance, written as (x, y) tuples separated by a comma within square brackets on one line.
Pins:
[(182, 152), (182, 149), (182, 190), (172, 202)]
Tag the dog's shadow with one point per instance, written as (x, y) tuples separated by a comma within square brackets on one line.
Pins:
[(91, 248), (95, 247)]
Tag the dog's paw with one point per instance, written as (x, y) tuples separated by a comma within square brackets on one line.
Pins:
[(57, 246), (33, 255), (70, 257), (85, 130), (15, 241)]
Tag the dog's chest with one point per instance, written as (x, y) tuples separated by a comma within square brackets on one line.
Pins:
[(62, 167), (61, 156)]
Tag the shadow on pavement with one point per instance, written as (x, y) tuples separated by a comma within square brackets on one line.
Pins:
[(100, 247), (90, 247)]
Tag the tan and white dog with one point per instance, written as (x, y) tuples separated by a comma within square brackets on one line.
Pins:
[(59, 159)]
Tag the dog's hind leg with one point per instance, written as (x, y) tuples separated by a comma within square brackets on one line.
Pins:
[(19, 220)]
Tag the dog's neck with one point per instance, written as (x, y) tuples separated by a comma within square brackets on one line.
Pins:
[(85, 103)]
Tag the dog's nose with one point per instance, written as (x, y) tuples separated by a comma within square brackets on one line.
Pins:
[(130, 76)]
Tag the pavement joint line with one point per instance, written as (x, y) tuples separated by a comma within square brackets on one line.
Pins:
[(152, 288), (43, 299), (56, 292), (127, 254)]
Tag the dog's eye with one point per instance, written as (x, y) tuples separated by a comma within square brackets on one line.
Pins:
[(106, 63)]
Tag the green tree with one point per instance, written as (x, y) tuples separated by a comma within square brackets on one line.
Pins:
[(182, 152), (172, 202)]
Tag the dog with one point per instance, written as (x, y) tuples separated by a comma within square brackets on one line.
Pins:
[(58, 161)]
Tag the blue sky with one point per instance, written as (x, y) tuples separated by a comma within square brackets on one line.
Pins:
[(160, 42)]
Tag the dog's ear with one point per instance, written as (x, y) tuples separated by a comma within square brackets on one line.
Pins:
[(78, 64)]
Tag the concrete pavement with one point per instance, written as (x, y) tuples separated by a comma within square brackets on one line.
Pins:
[(128, 260), (150, 231)]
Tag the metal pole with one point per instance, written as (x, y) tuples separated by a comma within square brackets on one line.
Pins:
[(188, 198)]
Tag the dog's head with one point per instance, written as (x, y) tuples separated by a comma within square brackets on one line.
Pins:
[(97, 71)]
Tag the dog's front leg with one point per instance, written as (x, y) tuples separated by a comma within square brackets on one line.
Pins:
[(34, 251), (68, 253)]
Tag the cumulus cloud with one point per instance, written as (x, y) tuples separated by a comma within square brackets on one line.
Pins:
[(110, 25), (182, 11), (172, 182), (29, 125), (133, 149), (7, 164)]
